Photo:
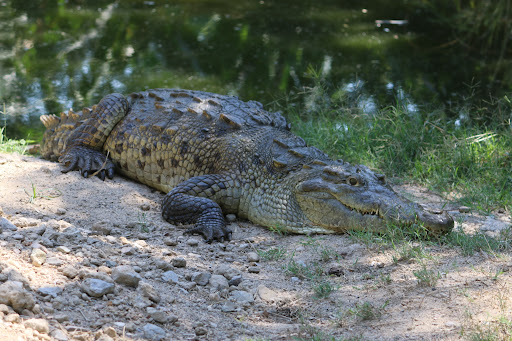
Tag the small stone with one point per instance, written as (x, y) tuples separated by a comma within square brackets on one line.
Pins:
[(37, 257), (13, 318), (4, 309), (227, 271), (101, 227), (157, 315), (235, 281), (59, 335), (145, 207), (295, 280), (253, 257), (50, 291), (41, 325), (219, 282), (170, 276), (126, 275), (97, 287), (170, 242), (200, 331), (128, 250), (201, 278), (187, 285), (451, 324), (464, 209), (179, 262), (54, 261), (60, 211), (229, 307), (148, 291), (69, 271), (18, 236), (254, 269), (110, 332), (231, 218), (153, 332), (104, 337), (61, 317), (13, 294), (192, 242), (267, 294), (110, 263), (6, 225), (63, 249), (242, 297)]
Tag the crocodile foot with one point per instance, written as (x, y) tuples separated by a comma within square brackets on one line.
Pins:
[(211, 233), (88, 161)]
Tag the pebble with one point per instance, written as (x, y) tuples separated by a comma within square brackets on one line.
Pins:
[(147, 290), (242, 297), (97, 287), (179, 262), (267, 294), (229, 307), (235, 281), (5, 224), (61, 317), (13, 318), (69, 271), (295, 280), (41, 325), (59, 335), (50, 291), (101, 227), (157, 315), (187, 285), (219, 282), (54, 261), (170, 276), (63, 249), (128, 250), (18, 236), (170, 242), (145, 207), (201, 278), (254, 269), (227, 271), (464, 209), (126, 275), (192, 242), (13, 294), (37, 257), (200, 331), (153, 332), (231, 218), (253, 257)]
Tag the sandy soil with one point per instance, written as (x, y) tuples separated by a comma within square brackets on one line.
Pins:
[(88, 227)]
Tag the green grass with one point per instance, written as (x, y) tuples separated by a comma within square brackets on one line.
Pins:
[(272, 254), (11, 146), (427, 277), (469, 158)]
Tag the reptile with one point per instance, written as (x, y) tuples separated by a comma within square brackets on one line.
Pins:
[(215, 155)]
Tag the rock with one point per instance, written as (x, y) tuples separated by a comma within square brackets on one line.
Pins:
[(148, 291), (70, 235), (229, 307), (230, 218), (63, 249), (201, 278), (187, 285), (153, 332), (227, 271), (254, 269), (126, 275), (69, 271), (157, 315), (200, 331), (37, 257), (97, 287), (59, 335), (16, 276), (101, 227), (4, 309), (104, 337), (41, 325), (170, 276), (464, 209), (13, 294), (235, 281), (253, 257), (219, 282), (242, 297), (60, 211), (170, 242), (179, 262), (13, 318), (54, 261), (6, 225), (145, 207), (61, 317), (266, 294), (50, 291), (128, 250), (192, 242), (494, 225)]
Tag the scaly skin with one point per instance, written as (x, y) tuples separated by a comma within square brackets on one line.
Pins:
[(215, 155)]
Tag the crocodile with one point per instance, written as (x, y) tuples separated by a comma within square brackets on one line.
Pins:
[(215, 155)]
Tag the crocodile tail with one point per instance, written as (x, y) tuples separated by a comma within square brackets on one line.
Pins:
[(50, 121)]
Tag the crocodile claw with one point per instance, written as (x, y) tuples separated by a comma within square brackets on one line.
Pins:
[(88, 162), (211, 233)]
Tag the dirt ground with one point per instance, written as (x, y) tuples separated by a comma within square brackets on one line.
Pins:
[(259, 286)]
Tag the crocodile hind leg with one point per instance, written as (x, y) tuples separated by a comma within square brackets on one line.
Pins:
[(191, 203), (84, 147)]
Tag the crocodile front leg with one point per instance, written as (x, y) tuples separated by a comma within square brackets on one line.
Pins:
[(84, 147), (191, 203)]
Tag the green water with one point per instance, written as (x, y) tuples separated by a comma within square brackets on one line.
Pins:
[(55, 55)]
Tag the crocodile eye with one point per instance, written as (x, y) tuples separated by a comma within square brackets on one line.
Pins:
[(353, 181)]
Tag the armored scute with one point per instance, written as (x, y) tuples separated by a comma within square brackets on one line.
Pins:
[(214, 155)]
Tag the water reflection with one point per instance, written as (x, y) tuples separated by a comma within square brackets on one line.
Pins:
[(60, 54)]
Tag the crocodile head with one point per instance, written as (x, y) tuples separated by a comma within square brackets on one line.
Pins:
[(341, 197)]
